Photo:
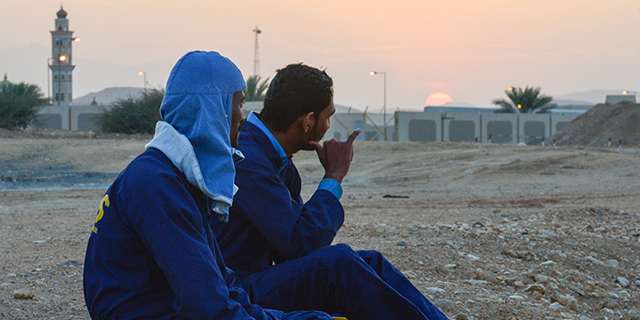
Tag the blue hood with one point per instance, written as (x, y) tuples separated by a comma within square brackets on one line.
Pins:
[(197, 104)]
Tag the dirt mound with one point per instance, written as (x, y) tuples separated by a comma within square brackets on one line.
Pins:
[(604, 123)]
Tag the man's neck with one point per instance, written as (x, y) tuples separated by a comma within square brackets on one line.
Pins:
[(288, 144)]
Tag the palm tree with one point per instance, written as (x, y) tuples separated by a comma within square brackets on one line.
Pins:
[(528, 100), (19, 104), (256, 89)]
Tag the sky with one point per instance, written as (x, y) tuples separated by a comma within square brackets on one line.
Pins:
[(472, 50)]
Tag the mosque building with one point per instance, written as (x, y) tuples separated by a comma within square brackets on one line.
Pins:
[(61, 60)]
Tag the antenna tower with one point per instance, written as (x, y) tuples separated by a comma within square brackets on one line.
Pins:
[(256, 59)]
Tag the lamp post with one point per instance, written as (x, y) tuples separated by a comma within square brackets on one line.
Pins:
[(48, 76), (142, 73), (384, 106)]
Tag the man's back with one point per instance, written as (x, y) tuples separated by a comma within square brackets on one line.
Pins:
[(126, 236), (269, 221)]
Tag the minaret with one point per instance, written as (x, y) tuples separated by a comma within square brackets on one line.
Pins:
[(61, 60)]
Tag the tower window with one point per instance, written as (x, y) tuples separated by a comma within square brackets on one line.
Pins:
[(63, 77), (57, 97), (55, 77), (62, 97)]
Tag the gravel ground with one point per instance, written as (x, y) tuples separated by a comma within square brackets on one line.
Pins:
[(484, 231)]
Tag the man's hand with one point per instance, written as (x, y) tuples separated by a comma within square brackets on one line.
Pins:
[(336, 156)]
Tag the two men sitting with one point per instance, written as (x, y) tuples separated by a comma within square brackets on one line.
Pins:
[(160, 248)]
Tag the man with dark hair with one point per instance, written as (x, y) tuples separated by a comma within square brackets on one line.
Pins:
[(270, 223), (151, 253)]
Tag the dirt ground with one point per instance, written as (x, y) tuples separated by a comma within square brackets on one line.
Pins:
[(484, 231)]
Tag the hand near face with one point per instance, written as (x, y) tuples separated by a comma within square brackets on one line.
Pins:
[(336, 156)]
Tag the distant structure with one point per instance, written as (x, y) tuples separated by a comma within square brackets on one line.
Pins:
[(256, 57), (61, 60), (625, 96)]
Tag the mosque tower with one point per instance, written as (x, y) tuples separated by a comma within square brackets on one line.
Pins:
[(61, 60)]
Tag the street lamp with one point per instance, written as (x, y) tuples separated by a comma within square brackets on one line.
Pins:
[(142, 73), (48, 76), (384, 106)]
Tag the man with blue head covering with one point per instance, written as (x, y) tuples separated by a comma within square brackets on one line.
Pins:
[(151, 253)]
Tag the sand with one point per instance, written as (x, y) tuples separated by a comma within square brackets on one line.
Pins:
[(484, 231)]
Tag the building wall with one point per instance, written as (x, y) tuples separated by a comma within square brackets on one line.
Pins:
[(487, 128), (69, 117), (418, 126)]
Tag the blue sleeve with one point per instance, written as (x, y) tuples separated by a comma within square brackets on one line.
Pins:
[(173, 227), (292, 228), (332, 186)]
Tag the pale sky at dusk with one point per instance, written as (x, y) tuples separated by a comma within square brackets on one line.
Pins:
[(470, 49)]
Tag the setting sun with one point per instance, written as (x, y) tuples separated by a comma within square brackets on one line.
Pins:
[(438, 99)]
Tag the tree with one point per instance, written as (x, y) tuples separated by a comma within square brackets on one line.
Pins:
[(19, 104), (133, 115), (528, 100), (256, 89)]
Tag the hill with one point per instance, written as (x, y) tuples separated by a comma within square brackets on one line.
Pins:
[(619, 123), (108, 95)]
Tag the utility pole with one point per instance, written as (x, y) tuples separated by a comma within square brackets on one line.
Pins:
[(256, 59)]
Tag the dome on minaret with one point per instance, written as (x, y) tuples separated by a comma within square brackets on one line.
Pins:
[(62, 13)]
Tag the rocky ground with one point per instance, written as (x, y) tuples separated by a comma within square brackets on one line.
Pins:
[(484, 231)]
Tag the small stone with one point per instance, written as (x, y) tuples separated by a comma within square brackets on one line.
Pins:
[(410, 274), (613, 263), (450, 266), (541, 278), (594, 261), (549, 263), (477, 282), (71, 263), (555, 306), (583, 317), (516, 297), (477, 225), (536, 288), (473, 257), (24, 294), (623, 281), (461, 316), (446, 305), (433, 290), (402, 243), (518, 284)]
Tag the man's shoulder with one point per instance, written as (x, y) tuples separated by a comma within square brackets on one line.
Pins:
[(151, 169), (254, 144)]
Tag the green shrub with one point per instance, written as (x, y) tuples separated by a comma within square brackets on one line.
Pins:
[(133, 115), (19, 104)]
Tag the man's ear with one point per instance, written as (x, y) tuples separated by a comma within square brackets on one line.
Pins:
[(308, 122)]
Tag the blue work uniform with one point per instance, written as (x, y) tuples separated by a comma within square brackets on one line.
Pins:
[(280, 248), (152, 253)]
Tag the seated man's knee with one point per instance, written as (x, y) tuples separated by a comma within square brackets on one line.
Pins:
[(341, 253)]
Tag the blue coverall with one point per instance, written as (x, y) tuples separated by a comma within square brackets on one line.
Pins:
[(269, 223)]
